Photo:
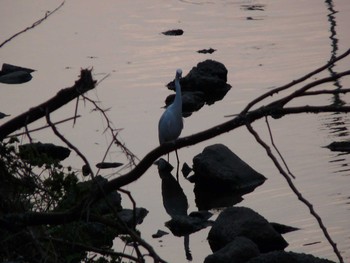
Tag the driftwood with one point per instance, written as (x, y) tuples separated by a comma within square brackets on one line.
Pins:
[(82, 85)]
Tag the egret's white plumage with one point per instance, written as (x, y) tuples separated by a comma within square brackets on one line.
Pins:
[(170, 124)]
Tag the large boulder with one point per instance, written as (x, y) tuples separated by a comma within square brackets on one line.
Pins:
[(10, 74), (207, 76), (235, 222), (342, 146), (221, 177), (205, 83), (218, 165)]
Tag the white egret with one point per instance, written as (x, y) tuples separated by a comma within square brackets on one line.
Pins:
[(170, 123)]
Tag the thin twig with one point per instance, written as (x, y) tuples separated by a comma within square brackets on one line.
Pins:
[(323, 92), (47, 14), (133, 205), (275, 147), (302, 90), (76, 110), (114, 132), (294, 82), (43, 127)]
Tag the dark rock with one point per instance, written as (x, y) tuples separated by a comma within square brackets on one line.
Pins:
[(205, 51), (173, 32), (253, 7), (339, 146), (191, 102), (39, 153), (17, 77), (282, 229), (239, 250), (205, 83), (8, 68), (221, 177), (11, 74), (208, 77), (241, 221), (159, 234), (287, 257), (3, 115), (218, 165)]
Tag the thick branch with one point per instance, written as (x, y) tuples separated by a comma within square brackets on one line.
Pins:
[(84, 84)]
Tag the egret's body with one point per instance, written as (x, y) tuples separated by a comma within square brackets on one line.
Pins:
[(170, 123)]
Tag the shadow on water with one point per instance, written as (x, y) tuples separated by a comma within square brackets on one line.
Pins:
[(176, 205)]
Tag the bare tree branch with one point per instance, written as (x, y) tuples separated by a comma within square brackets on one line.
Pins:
[(294, 82), (46, 126), (276, 149), (295, 190), (114, 133), (69, 144), (305, 88)]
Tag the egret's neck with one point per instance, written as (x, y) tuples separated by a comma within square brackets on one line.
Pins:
[(178, 97)]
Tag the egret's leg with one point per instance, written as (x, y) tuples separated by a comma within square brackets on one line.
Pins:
[(178, 164)]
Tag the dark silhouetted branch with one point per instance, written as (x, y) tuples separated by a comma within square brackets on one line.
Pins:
[(69, 144), (295, 190), (295, 82), (84, 84)]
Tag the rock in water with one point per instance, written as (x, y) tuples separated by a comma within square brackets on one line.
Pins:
[(234, 222), (11, 74), (219, 166)]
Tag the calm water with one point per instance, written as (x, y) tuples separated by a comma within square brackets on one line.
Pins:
[(263, 48)]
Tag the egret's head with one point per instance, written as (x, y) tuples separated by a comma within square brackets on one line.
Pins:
[(178, 73)]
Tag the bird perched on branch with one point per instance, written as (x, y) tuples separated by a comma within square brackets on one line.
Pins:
[(170, 123)]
